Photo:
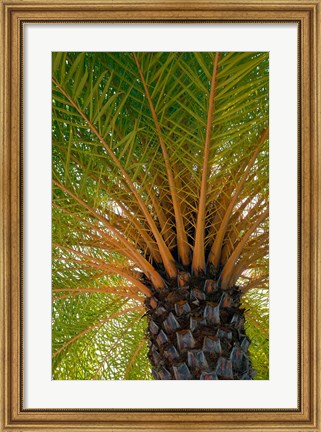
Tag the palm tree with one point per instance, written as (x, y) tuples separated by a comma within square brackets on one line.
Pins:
[(160, 215)]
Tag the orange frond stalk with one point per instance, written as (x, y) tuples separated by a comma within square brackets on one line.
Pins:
[(228, 268), (165, 228), (220, 205), (109, 290), (95, 263), (245, 263), (182, 243), (74, 294), (163, 220), (253, 284), (215, 253), (234, 233), (198, 263), (138, 234), (108, 240)]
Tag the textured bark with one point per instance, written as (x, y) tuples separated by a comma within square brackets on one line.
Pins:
[(196, 332)]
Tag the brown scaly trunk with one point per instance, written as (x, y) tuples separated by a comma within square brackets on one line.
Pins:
[(196, 332)]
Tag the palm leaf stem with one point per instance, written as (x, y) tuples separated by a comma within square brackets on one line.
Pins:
[(182, 243), (244, 263), (166, 230), (107, 266), (228, 268), (108, 240), (234, 233), (215, 253), (253, 284), (198, 263), (74, 292)]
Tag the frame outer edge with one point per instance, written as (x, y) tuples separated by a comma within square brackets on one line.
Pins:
[(5, 222), (317, 269), (2, 225), (9, 244), (315, 217), (162, 5)]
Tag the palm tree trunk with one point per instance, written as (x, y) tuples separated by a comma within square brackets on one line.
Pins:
[(196, 331)]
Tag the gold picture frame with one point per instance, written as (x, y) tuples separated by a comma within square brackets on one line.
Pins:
[(13, 416)]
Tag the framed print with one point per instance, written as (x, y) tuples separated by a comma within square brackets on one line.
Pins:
[(161, 207)]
